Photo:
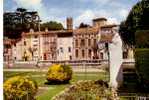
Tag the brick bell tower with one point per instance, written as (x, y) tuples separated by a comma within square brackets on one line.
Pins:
[(69, 23)]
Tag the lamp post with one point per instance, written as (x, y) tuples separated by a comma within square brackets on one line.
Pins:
[(105, 46), (107, 49)]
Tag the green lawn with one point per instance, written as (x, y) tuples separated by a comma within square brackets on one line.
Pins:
[(40, 78)]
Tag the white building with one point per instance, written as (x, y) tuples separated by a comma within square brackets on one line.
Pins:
[(64, 46)]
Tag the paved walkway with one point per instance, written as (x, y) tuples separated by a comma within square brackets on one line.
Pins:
[(45, 70)]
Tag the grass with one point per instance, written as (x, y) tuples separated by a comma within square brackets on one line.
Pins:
[(55, 89)]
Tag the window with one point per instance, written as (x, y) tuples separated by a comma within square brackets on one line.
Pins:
[(24, 43), (35, 36), (125, 55), (101, 55), (82, 42), (76, 53), (15, 45), (76, 43), (35, 45), (69, 49), (89, 53), (70, 57), (46, 42), (94, 41), (61, 49), (83, 53), (89, 42)]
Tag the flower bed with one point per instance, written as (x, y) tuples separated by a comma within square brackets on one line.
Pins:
[(85, 90)]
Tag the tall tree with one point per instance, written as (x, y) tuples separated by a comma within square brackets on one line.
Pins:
[(20, 20), (136, 20)]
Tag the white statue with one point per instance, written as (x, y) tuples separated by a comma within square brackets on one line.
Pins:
[(116, 60)]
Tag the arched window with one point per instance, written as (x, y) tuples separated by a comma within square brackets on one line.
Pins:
[(89, 53), (83, 53), (82, 42), (77, 53), (89, 42), (76, 43)]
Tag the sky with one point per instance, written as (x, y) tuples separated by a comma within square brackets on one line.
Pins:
[(80, 10)]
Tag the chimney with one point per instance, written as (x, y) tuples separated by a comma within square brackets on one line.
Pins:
[(98, 22), (69, 23)]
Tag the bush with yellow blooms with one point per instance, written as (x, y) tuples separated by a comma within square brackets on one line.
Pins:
[(20, 88), (58, 73)]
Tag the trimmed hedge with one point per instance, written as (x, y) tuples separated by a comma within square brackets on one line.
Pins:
[(142, 39), (142, 64), (59, 73)]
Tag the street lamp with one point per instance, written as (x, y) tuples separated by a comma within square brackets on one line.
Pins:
[(102, 46)]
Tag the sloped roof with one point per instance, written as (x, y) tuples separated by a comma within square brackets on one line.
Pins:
[(87, 30), (48, 32)]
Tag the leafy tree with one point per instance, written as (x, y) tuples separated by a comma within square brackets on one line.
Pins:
[(52, 25), (136, 20), (20, 20), (82, 25)]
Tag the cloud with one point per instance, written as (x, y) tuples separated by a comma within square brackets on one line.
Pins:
[(123, 13), (36, 5), (29, 3), (85, 17), (112, 21), (114, 10), (97, 1), (88, 15)]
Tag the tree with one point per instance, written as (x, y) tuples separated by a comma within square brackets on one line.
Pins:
[(20, 20), (134, 31), (52, 25), (136, 20), (82, 25)]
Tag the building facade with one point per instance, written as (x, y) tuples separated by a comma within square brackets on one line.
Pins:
[(85, 40), (7, 50), (64, 46), (45, 45), (68, 44)]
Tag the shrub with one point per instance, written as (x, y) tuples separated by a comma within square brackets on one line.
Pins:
[(59, 73), (142, 63), (19, 87), (142, 39)]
